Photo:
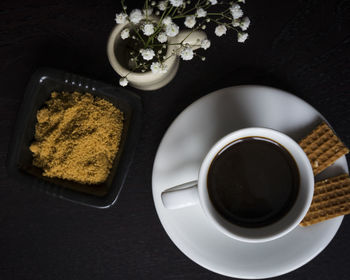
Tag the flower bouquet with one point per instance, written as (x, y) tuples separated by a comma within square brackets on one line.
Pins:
[(153, 43)]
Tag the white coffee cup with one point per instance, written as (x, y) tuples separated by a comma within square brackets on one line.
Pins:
[(196, 191)]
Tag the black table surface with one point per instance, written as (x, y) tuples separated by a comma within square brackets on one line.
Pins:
[(302, 47)]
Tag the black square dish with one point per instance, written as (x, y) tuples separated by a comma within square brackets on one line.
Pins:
[(19, 161)]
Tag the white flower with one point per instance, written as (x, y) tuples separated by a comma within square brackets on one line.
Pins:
[(205, 44), (167, 21), (162, 37), (157, 67), (236, 23), (172, 30), (121, 18), (162, 5), (136, 16), (245, 22), (147, 54), (213, 2), (220, 30), (186, 53), (147, 12), (176, 3), (148, 29), (236, 11), (241, 37), (242, 1), (190, 21), (125, 34), (123, 82), (201, 13)]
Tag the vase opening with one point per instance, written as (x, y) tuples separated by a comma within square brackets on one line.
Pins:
[(127, 53)]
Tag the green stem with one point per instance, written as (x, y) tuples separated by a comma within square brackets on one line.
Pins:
[(214, 14), (174, 12), (223, 23), (182, 16), (195, 29), (169, 11), (198, 5), (227, 17), (146, 10), (159, 45), (138, 34), (168, 57), (158, 28), (123, 6)]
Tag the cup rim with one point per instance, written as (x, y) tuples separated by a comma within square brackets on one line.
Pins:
[(219, 221)]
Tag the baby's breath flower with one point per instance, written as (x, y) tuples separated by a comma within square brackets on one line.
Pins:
[(201, 13), (148, 29), (245, 22), (236, 11), (125, 34), (123, 82), (176, 3), (162, 5), (153, 58), (241, 37), (147, 54), (162, 37), (172, 30), (155, 67), (205, 44), (220, 30), (167, 20), (121, 18), (190, 21), (158, 68), (136, 16), (186, 53), (147, 12), (236, 23)]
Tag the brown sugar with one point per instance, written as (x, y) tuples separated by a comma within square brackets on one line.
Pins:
[(77, 137)]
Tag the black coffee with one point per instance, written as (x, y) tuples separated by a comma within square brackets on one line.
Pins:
[(253, 182)]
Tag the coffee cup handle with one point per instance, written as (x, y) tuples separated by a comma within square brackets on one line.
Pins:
[(181, 196)]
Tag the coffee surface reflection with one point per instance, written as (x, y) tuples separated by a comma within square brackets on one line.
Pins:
[(253, 182)]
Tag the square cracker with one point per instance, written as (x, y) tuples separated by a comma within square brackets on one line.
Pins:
[(331, 199), (322, 147)]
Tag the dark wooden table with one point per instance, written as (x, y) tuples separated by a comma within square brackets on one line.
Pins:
[(299, 46)]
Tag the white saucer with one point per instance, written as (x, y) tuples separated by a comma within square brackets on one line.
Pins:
[(178, 160)]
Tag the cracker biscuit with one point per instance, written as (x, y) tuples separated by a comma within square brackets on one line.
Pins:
[(331, 199), (322, 147)]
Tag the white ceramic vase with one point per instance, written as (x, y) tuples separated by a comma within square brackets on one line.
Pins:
[(149, 80)]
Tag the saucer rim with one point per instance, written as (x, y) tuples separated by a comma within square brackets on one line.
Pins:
[(183, 248)]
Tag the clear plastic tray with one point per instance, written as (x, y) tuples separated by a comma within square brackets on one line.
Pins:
[(19, 161)]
